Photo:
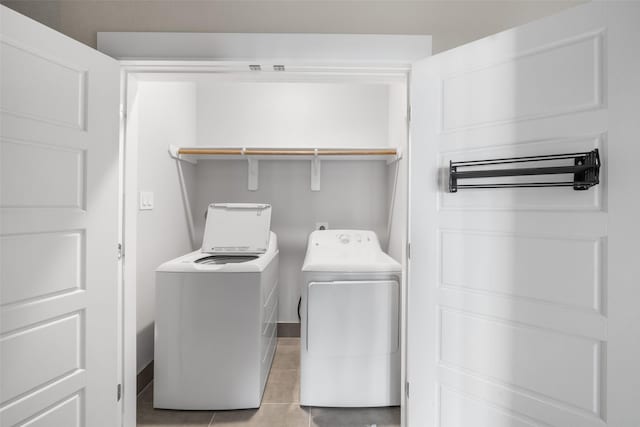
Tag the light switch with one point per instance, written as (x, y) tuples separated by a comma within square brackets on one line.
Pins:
[(146, 200)]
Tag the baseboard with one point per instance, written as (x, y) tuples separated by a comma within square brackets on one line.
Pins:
[(145, 376), (288, 329)]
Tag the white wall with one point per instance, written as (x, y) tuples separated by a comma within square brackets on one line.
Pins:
[(397, 178), (269, 114), (165, 115), (353, 194)]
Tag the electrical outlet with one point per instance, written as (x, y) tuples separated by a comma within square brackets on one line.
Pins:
[(322, 225)]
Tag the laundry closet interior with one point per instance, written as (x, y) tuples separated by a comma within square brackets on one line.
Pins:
[(326, 147)]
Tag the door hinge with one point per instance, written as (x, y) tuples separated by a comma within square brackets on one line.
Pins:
[(123, 112), (408, 250), (406, 389), (409, 114), (120, 252), (119, 393)]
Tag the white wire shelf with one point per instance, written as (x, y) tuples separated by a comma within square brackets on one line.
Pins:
[(203, 153), (254, 155)]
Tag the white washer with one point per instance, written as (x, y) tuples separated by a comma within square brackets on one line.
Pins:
[(350, 332), (216, 314)]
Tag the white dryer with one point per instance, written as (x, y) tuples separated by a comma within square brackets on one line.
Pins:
[(350, 312), (216, 314)]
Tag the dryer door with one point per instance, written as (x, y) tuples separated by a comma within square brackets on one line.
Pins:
[(352, 318)]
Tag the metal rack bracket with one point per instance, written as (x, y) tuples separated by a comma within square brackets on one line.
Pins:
[(252, 179), (315, 172), (585, 168)]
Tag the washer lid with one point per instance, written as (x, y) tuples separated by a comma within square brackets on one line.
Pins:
[(237, 228)]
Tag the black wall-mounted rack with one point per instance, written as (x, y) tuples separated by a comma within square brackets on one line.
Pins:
[(585, 168)]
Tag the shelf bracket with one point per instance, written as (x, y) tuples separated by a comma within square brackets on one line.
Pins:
[(252, 179), (315, 171), (395, 158), (174, 152)]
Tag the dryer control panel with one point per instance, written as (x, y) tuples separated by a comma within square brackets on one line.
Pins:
[(339, 238), (347, 250)]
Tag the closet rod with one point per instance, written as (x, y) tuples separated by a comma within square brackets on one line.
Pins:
[(292, 152), (234, 152)]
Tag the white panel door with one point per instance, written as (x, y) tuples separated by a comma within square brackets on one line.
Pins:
[(524, 302), (58, 231)]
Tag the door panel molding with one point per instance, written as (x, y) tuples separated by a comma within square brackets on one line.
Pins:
[(564, 258), (24, 59), (562, 50), (58, 229)]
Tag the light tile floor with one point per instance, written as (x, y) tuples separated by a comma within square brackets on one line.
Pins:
[(280, 407)]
